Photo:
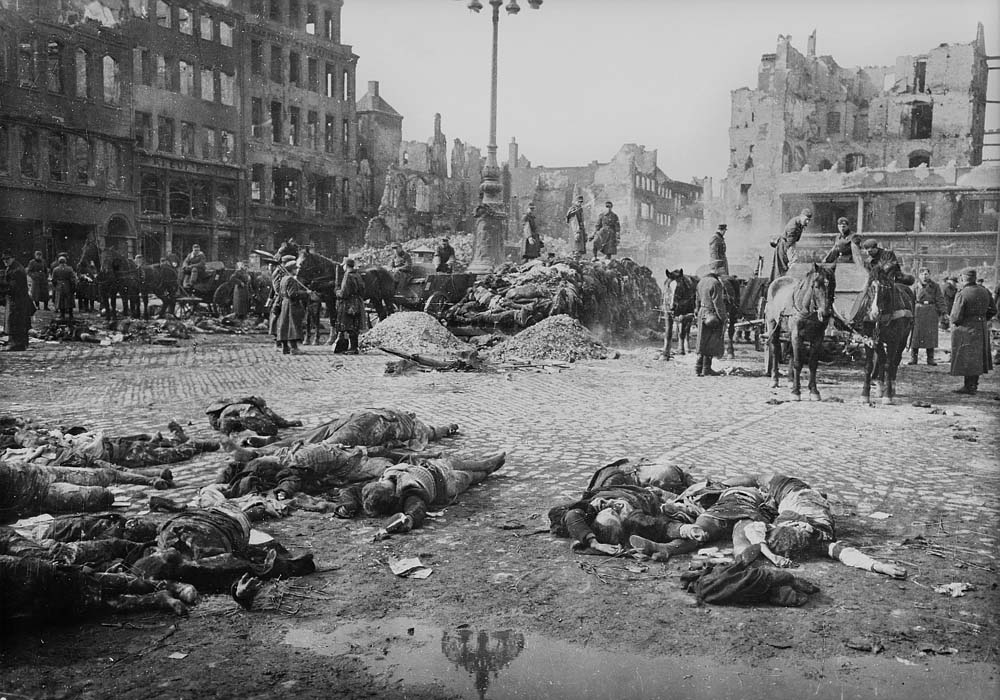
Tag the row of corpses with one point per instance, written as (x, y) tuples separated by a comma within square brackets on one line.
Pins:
[(376, 462), (89, 560)]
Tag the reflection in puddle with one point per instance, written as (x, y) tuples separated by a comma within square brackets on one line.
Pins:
[(506, 665), (491, 653)]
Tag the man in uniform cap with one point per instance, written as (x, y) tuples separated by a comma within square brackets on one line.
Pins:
[(609, 229), (401, 266), (841, 250), (444, 254), (970, 334), (784, 247), (574, 217), (19, 307), (63, 287), (929, 307), (717, 261)]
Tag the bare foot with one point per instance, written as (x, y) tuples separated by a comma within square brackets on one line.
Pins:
[(649, 548)]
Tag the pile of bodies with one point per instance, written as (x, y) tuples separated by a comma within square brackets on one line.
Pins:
[(616, 296), (164, 331), (375, 462), (657, 511)]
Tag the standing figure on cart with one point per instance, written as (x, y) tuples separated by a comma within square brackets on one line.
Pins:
[(444, 255), (193, 267), (401, 266)]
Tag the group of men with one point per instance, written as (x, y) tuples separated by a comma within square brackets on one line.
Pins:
[(964, 304), (604, 242), (401, 264)]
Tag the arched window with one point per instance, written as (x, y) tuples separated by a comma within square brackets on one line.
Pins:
[(786, 158), (112, 87), (799, 161), (53, 66), (82, 73), (853, 161), (918, 158), (224, 198)]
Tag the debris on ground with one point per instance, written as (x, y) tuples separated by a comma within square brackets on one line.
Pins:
[(409, 567), (555, 338), (160, 331), (412, 332), (467, 361), (955, 589), (614, 297), (381, 256), (869, 644)]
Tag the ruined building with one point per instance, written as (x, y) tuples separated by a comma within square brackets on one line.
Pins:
[(650, 205), (302, 140), (66, 156), (187, 128), (898, 150), (380, 132), (420, 196)]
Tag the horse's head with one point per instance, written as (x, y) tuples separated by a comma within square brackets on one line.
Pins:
[(316, 270), (881, 287), (821, 283)]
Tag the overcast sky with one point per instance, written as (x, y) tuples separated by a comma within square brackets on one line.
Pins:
[(578, 78)]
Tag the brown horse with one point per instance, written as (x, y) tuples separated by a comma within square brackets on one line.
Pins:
[(322, 275), (886, 326), (801, 309), (679, 293)]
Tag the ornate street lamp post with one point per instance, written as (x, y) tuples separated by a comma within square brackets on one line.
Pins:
[(488, 241)]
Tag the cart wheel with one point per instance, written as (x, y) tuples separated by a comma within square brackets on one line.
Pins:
[(436, 304)]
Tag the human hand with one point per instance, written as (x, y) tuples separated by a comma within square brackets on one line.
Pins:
[(612, 550)]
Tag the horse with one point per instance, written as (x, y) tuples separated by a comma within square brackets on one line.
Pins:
[(159, 279), (118, 276), (802, 309), (886, 324), (680, 293), (323, 276)]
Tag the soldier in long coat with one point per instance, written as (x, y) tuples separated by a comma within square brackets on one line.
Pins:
[(277, 274), (785, 254), (293, 297), (19, 307), (609, 228), (970, 334), (63, 288), (717, 260), (574, 217), (710, 311), (351, 306), (930, 307), (38, 280)]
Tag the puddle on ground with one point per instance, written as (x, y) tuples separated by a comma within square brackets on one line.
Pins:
[(509, 665)]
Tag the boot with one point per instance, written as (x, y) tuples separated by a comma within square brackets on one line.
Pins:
[(284, 347), (969, 387), (698, 365), (707, 368), (930, 357), (294, 348), (913, 357)]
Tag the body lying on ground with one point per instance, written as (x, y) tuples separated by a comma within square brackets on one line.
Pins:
[(408, 491), (247, 413)]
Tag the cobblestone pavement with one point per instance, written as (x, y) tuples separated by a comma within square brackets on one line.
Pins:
[(559, 425)]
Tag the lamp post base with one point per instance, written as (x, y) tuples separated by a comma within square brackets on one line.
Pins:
[(488, 241)]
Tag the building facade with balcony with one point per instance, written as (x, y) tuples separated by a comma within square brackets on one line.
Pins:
[(66, 155)]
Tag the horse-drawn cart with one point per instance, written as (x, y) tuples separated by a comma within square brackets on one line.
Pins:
[(428, 290)]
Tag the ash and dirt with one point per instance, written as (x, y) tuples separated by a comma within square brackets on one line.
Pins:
[(495, 566), (554, 338), (413, 332)]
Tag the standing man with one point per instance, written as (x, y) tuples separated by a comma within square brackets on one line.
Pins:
[(574, 217), (193, 266), (930, 306), (710, 311), (351, 306), (63, 288), (841, 250), (401, 266), (38, 280), (532, 241), (19, 308), (970, 333), (444, 254), (949, 291), (293, 309), (784, 246), (610, 225), (717, 261)]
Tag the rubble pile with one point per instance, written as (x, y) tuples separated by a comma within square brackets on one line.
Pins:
[(380, 256), (554, 338), (616, 297), (412, 332)]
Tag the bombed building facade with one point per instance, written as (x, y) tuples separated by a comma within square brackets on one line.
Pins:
[(158, 124), (66, 149), (425, 191), (898, 150), (651, 206)]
